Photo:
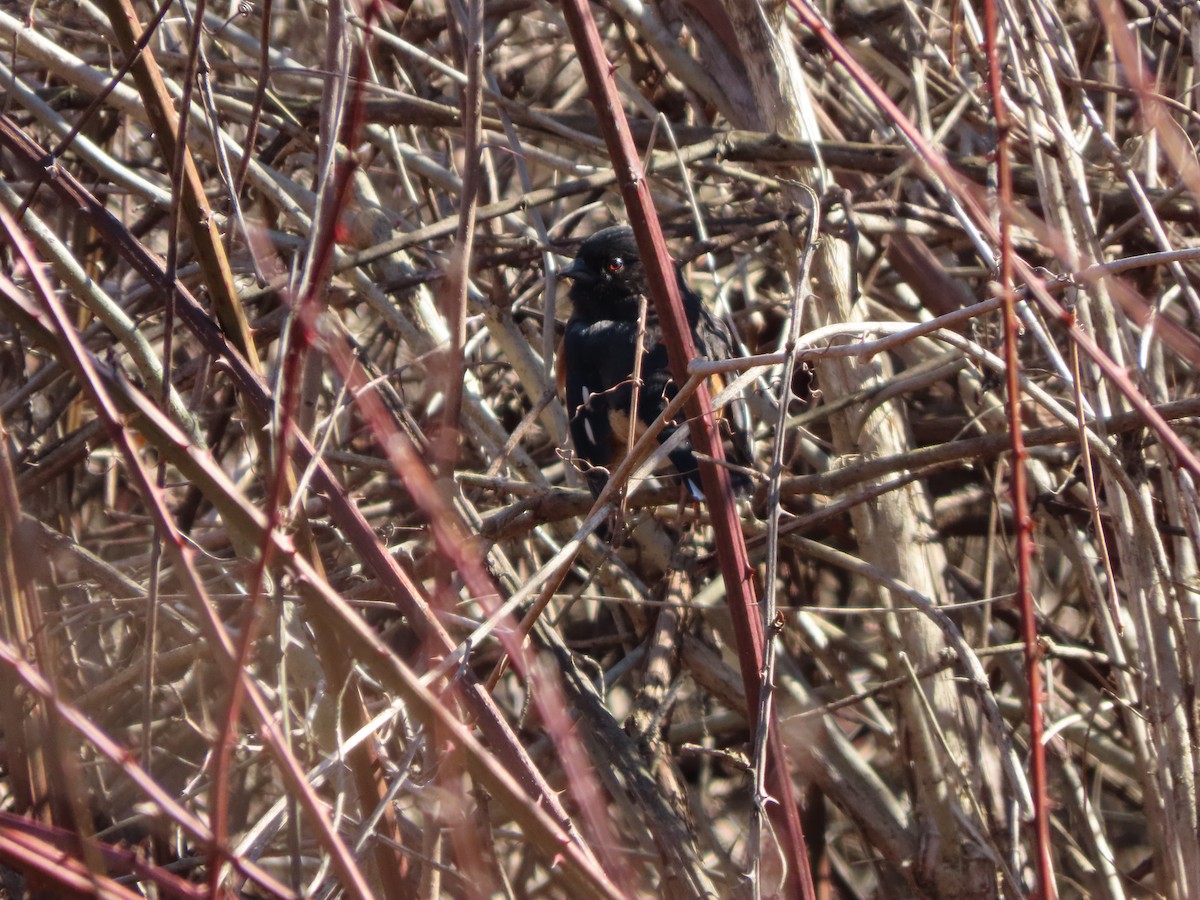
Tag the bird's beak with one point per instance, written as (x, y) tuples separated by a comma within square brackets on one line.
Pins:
[(577, 272)]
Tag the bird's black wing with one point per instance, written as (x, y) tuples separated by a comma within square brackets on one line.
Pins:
[(715, 342), (659, 389)]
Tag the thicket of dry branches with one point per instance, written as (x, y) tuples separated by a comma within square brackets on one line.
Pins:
[(333, 613)]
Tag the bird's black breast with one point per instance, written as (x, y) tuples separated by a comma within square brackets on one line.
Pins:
[(599, 363)]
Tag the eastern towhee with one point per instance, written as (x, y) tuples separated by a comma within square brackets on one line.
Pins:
[(596, 362)]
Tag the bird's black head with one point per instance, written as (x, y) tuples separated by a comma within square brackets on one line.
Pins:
[(608, 276)]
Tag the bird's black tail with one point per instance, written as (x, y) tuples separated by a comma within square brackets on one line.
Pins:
[(688, 467)]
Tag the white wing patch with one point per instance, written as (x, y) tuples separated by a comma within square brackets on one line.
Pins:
[(587, 425)]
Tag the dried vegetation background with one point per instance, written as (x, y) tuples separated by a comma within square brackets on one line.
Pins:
[(361, 456)]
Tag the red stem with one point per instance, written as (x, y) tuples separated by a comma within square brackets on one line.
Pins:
[(731, 546), (1024, 523)]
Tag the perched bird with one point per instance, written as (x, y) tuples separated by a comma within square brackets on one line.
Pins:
[(596, 361)]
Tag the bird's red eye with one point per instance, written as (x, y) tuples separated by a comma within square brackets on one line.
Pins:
[(616, 264)]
